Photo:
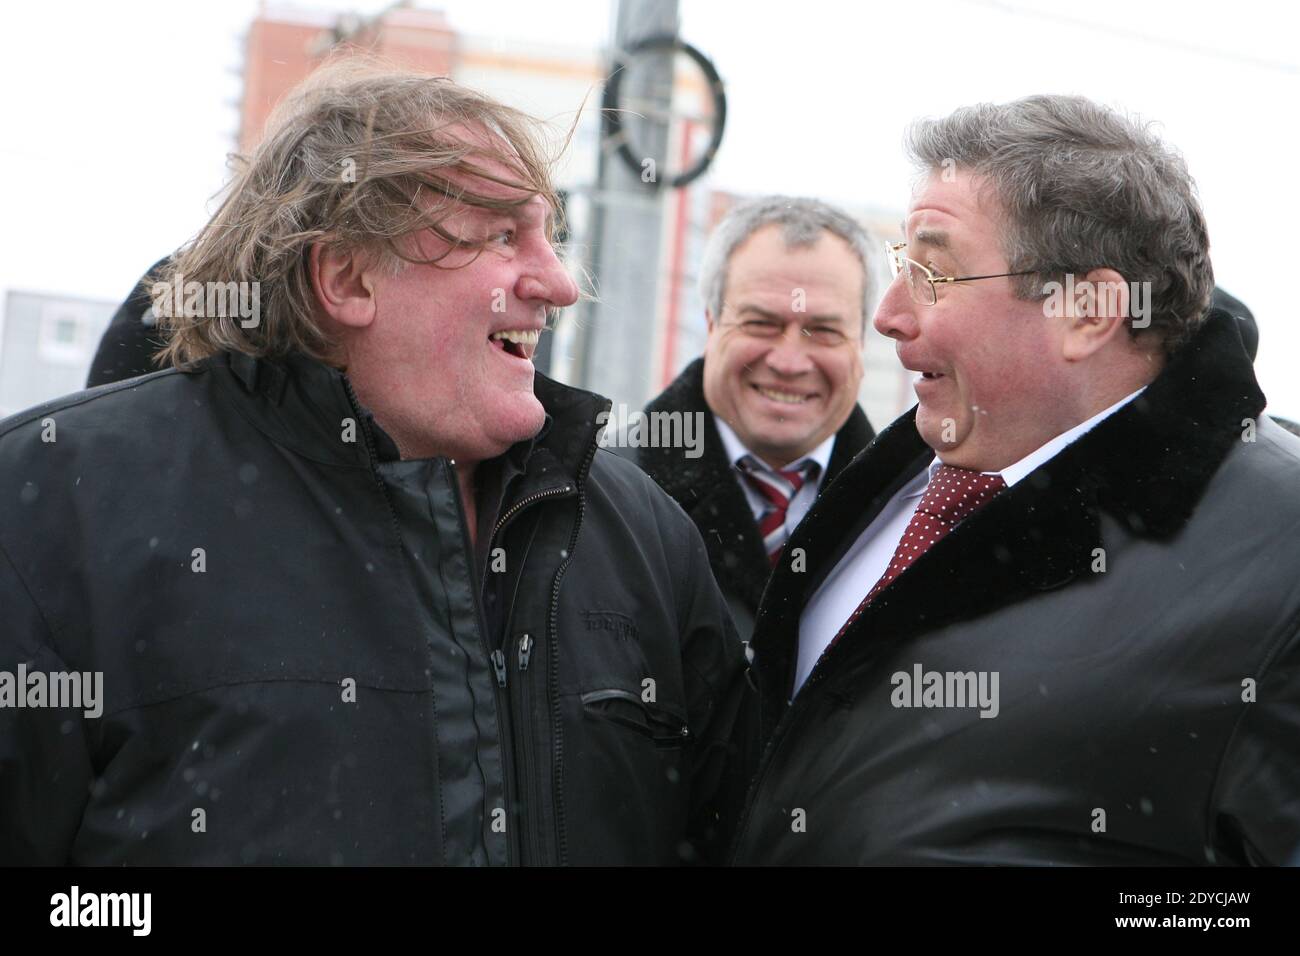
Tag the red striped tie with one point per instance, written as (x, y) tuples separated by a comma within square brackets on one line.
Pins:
[(952, 495), (778, 488)]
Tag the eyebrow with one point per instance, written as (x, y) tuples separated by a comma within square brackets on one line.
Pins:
[(940, 241), (521, 213), (515, 214), (935, 238)]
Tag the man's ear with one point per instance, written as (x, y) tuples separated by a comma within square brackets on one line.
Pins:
[(344, 285), (1098, 312)]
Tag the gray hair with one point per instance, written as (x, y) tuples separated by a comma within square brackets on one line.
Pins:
[(803, 221), (1083, 187)]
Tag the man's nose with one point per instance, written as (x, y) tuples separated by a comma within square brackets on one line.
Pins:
[(549, 281), (789, 354), (896, 314)]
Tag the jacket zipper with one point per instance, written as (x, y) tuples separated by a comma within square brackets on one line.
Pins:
[(520, 505), (553, 671), (501, 693), (499, 666), (500, 698), (496, 656), (527, 747), (522, 740)]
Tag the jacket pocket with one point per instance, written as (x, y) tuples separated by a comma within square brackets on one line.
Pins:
[(663, 725)]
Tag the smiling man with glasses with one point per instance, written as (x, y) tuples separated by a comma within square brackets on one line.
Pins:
[(1050, 616)]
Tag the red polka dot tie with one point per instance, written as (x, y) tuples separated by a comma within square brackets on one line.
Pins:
[(952, 495), (779, 488)]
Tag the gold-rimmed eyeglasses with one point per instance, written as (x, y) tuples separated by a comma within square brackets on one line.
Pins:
[(922, 283)]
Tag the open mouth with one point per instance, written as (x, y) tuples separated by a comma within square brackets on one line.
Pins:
[(521, 343), (931, 376), (781, 395)]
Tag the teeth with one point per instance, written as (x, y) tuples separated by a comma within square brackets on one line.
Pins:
[(778, 396), (519, 336)]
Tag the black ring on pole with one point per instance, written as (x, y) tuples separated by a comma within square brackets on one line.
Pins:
[(612, 121)]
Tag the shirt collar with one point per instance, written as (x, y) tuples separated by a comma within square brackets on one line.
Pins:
[(736, 450), (1014, 472)]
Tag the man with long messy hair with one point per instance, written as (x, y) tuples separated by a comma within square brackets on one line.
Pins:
[(360, 584)]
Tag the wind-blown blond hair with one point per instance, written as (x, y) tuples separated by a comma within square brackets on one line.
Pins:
[(356, 157)]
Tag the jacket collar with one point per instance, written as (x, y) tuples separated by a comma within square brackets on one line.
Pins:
[(707, 490), (1147, 466), (304, 405)]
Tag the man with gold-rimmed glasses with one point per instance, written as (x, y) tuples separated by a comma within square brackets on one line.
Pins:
[(1049, 616)]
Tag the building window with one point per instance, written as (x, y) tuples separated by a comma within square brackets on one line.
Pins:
[(65, 335)]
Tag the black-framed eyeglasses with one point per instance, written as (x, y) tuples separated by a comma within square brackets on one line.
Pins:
[(921, 282)]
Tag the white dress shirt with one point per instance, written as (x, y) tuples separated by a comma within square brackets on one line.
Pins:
[(864, 562), (803, 498)]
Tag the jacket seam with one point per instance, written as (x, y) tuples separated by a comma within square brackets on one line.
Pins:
[(142, 702), (84, 397)]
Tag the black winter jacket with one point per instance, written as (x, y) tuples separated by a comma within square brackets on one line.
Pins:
[(297, 665), (1136, 598)]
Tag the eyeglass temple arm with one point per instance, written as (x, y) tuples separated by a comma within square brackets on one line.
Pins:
[(999, 275)]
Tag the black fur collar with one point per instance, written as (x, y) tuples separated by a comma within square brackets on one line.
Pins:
[(707, 489), (1147, 465)]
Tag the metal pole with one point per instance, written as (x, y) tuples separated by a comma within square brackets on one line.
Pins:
[(615, 343)]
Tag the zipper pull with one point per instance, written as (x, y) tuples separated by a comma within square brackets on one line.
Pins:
[(499, 665), (525, 651)]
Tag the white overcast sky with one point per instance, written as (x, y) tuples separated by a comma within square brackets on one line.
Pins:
[(117, 116)]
